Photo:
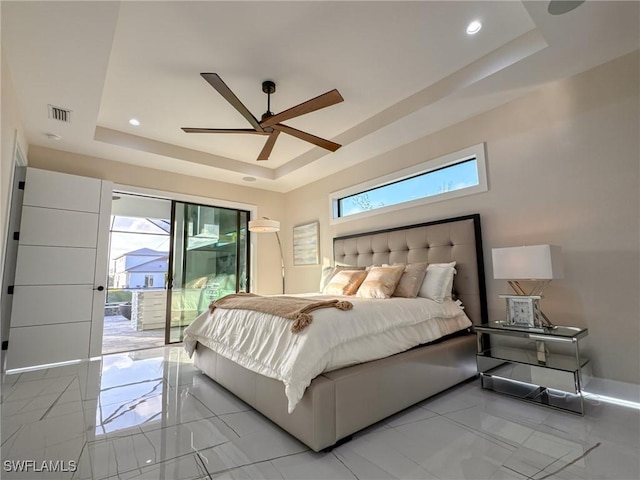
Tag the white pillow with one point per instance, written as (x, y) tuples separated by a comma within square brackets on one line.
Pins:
[(325, 276), (438, 282)]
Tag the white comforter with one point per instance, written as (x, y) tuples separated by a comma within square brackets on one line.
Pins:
[(374, 328)]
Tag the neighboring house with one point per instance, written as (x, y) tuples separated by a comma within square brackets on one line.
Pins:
[(142, 268)]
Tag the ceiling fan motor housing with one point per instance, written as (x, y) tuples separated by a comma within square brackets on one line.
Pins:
[(268, 87)]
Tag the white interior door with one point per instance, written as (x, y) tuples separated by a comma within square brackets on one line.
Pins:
[(61, 272)]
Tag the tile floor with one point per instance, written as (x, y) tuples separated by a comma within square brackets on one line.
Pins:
[(151, 414)]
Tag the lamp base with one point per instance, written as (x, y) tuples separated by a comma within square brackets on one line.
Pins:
[(536, 289)]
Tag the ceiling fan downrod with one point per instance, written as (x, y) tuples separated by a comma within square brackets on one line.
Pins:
[(268, 87)]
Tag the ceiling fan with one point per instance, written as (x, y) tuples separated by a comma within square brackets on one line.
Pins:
[(270, 123)]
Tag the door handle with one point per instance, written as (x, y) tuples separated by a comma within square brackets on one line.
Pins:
[(99, 288)]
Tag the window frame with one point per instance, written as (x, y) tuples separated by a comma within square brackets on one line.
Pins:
[(475, 151)]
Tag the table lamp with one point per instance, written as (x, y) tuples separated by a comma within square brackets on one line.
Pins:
[(535, 263)]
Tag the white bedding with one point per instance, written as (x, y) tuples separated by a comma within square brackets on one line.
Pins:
[(374, 328)]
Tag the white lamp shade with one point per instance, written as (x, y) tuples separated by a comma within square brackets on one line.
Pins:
[(264, 225), (534, 262)]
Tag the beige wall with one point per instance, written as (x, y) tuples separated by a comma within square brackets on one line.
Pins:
[(563, 168), (11, 129), (269, 204)]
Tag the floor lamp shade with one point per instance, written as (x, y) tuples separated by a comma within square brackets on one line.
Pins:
[(534, 262), (264, 225)]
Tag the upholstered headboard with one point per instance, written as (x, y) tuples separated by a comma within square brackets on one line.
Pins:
[(455, 239)]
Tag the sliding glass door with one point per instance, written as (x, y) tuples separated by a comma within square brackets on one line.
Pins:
[(208, 260)]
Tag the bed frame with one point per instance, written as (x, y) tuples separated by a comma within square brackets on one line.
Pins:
[(342, 402)]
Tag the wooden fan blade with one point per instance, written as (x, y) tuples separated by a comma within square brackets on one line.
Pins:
[(223, 130), (307, 137), (216, 82), (268, 146), (322, 101)]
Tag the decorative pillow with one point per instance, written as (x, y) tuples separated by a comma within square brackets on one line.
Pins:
[(329, 272), (345, 282), (438, 282), (380, 282), (411, 280), (325, 276)]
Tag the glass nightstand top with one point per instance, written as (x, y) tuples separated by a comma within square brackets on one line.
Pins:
[(558, 331)]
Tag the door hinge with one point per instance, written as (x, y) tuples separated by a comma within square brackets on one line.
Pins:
[(16, 235), (21, 185), (5, 345), (10, 289)]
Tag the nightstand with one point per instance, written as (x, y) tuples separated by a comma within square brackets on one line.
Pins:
[(539, 365)]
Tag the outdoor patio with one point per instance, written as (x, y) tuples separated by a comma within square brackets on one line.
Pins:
[(119, 336)]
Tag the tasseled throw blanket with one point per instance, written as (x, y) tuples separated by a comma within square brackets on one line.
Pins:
[(292, 308)]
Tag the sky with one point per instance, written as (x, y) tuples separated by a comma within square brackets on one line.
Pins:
[(454, 177)]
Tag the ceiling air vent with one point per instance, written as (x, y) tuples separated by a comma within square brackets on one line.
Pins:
[(61, 114)]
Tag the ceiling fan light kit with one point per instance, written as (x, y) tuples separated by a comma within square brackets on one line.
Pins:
[(270, 123)]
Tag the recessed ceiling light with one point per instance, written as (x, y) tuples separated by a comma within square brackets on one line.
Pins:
[(249, 179), (474, 27), (135, 122)]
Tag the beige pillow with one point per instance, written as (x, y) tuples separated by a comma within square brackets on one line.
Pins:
[(345, 282), (411, 280), (329, 272), (380, 282)]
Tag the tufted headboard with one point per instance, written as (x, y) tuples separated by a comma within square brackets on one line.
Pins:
[(456, 239)]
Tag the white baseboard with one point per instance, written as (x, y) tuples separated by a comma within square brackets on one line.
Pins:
[(612, 389)]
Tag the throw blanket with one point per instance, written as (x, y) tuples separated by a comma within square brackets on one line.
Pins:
[(292, 308)]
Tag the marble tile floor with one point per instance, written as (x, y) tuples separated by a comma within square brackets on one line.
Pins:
[(151, 415)]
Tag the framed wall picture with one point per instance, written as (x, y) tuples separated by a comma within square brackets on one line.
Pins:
[(306, 241)]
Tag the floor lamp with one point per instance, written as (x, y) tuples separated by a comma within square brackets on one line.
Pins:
[(265, 225)]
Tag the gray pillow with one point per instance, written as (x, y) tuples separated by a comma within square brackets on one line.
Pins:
[(411, 280)]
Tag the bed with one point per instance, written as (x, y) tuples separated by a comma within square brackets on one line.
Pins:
[(332, 406)]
